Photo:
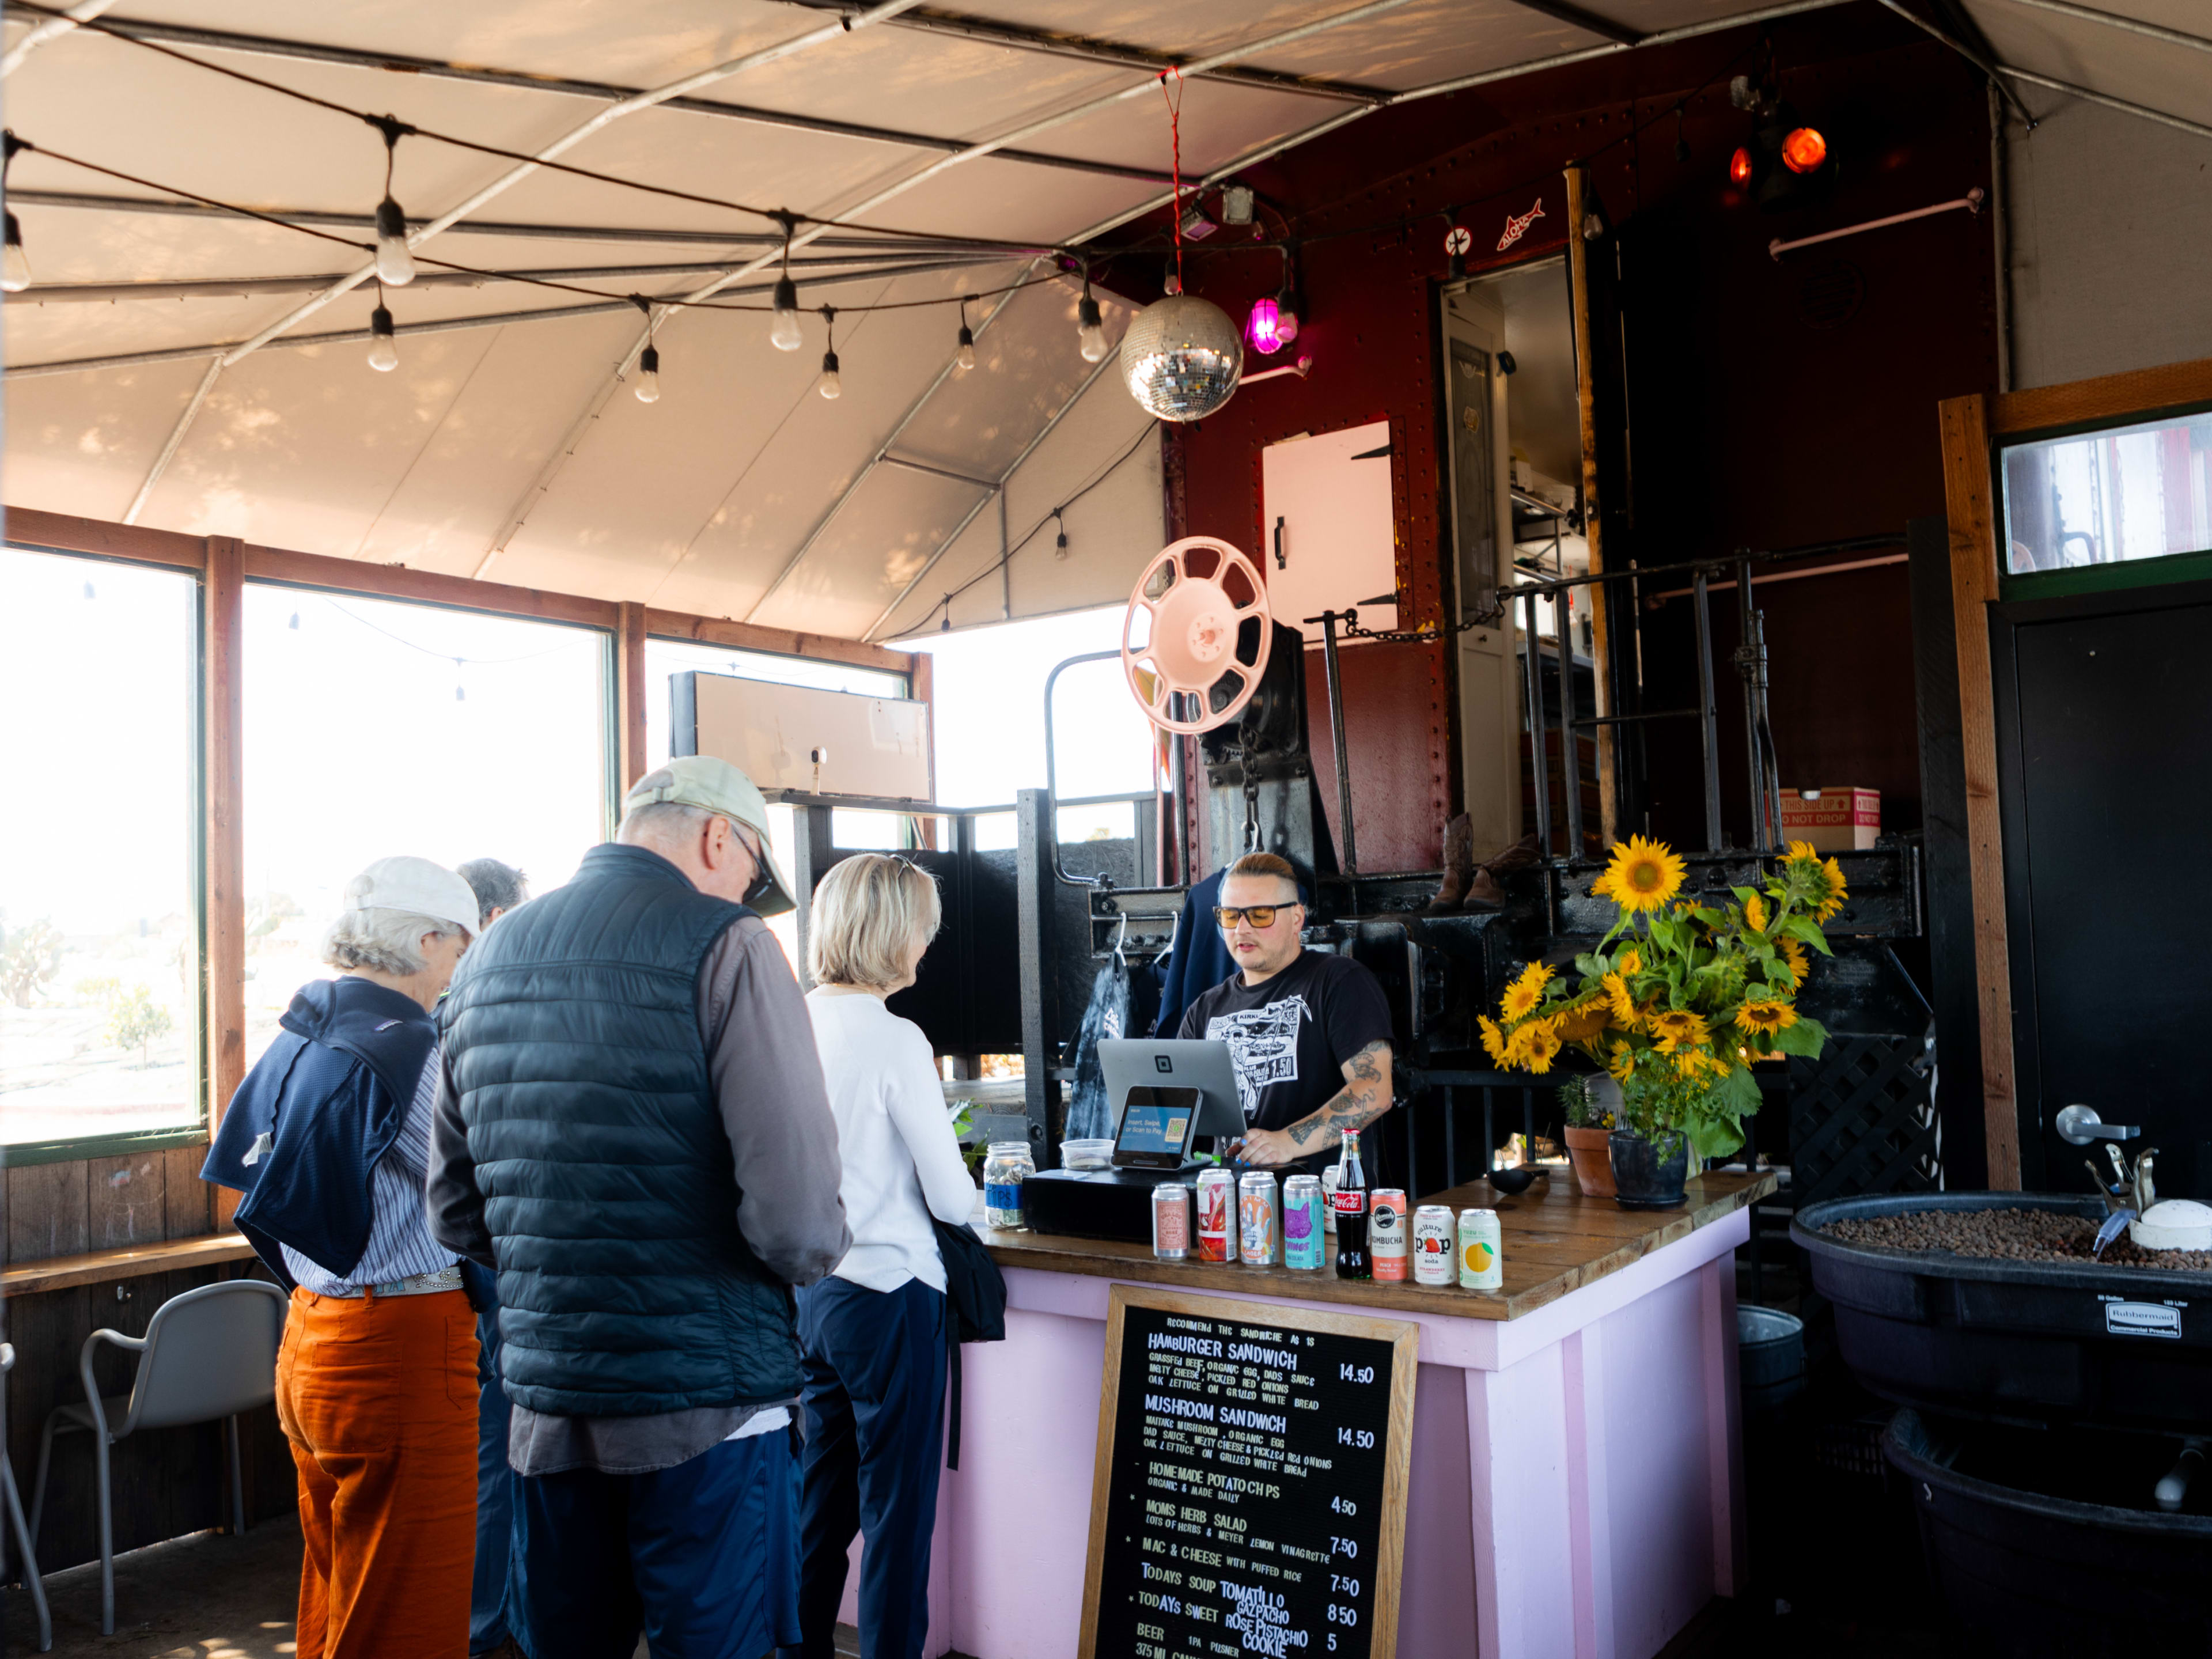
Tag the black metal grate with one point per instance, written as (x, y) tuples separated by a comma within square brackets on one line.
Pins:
[(1862, 1119)]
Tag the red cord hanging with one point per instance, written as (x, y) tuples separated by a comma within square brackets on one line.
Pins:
[(1175, 142)]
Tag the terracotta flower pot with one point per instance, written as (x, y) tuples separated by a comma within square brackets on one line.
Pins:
[(1592, 1156)]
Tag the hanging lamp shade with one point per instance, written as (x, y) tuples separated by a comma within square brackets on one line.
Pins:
[(1182, 357)]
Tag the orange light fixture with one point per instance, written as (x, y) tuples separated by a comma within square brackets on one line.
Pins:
[(1803, 150), (1740, 168)]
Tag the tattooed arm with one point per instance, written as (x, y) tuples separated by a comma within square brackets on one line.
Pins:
[(1364, 1097)]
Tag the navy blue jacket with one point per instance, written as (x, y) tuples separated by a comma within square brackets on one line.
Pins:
[(574, 1051), (330, 1091)]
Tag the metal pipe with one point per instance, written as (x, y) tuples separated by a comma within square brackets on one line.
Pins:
[(1533, 674), (262, 45), (1328, 619), (176, 437), (2133, 26), (1971, 201), (1708, 729), (1751, 664), (939, 471), (1635, 573), (1571, 760), (2120, 104), (1963, 50), (48, 29)]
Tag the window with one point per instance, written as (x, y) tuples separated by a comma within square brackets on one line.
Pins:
[(374, 728), (100, 926), (2112, 497)]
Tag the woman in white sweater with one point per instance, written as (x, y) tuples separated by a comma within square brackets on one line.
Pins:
[(873, 1333)]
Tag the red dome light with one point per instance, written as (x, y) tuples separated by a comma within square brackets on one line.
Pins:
[(1740, 168), (1803, 150)]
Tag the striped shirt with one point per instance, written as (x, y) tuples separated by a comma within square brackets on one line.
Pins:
[(400, 1241)]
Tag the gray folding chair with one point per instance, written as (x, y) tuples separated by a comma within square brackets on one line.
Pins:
[(208, 1353), (36, 1584)]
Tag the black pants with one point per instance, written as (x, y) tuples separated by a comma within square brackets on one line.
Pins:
[(874, 1407)]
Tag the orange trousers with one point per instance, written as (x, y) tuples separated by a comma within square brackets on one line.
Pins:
[(379, 1399)]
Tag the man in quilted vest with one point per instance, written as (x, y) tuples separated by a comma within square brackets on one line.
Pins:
[(632, 1131)]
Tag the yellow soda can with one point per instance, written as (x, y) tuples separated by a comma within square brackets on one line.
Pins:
[(1481, 1251)]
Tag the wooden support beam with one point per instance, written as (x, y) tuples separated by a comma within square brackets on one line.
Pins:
[(65, 532), (778, 641), (2139, 392), (1608, 792), (630, 694), (1964, 426), (222, 723), (921, 686)]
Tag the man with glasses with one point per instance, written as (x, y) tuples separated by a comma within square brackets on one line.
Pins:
[(632, 1129), (1307, 1033)]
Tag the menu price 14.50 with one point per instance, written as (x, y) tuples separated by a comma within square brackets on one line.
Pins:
[(1249, 1493)]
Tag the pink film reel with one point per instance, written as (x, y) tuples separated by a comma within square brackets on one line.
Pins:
[(1194, 635)]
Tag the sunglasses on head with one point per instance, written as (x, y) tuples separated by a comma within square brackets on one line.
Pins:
[(1259, 915)]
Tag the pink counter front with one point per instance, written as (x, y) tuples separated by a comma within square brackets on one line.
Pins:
[(1577, 1487)]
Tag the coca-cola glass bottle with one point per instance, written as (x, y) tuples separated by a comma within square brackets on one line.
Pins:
[(1349, 1203)]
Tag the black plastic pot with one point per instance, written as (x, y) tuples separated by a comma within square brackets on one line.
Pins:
[(1648, 1174), (2015, 1341), (2034, 1542)]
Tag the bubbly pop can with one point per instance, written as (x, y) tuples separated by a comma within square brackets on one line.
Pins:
[(1217, 1223), (1258, 1242), (1304, 1230), (1386, 1233), (1432, 1245), (1481, 1251)]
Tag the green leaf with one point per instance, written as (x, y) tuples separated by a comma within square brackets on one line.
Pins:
[(1805, 1039), (1745, 894), (1740, 1091)]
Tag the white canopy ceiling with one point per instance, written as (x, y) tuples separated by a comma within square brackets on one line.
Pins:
[(506, 443)]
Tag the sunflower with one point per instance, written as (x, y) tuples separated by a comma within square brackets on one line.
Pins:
[(1643, 876), (1802, 849), (1767, 1015), (1793, 954), (1674, 1028), (1538, 1043), (1836, 892), (1689, 1063), (1628, 963), (1617, 997), (1494, 1040), (1583, 1020), (1622, 1064), (1755, 913), (1526, 992)]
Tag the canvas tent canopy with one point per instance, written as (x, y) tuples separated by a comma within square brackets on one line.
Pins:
[(176, 365)]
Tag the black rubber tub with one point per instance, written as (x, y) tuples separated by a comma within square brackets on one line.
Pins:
[(2047, 1542), (2016, 1341)]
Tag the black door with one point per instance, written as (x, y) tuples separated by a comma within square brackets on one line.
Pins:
[(2103, 719)]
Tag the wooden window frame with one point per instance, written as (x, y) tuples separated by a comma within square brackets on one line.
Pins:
[(224, 565), (1970, 428)]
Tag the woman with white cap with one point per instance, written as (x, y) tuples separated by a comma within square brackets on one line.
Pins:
[(328, 1138)]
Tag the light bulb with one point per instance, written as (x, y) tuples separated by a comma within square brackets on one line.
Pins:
[(784, 331), (1263, 327), (1090, 331), (383, 349), (1286, 321), (15, 273), (828, 386), (395, 261), (965, 357), (648, 375)]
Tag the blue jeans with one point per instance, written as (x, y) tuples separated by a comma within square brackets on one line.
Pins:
[(495, 1481), (874, 1405), (702, 1557)]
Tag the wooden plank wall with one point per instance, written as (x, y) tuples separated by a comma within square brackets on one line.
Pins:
[(168, 1482)]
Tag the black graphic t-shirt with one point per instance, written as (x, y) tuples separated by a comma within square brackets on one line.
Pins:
[(1289, 1036)]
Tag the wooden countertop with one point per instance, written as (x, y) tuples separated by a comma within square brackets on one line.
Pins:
[(1555, 1241), (62, 1272)]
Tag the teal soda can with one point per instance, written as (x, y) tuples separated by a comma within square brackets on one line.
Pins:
[(1305, 1241)]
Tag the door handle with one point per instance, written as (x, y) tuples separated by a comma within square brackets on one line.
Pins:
[(2079, 1125), (1282, 561)]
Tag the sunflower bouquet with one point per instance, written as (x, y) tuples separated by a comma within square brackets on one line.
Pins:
[(1679, 999)]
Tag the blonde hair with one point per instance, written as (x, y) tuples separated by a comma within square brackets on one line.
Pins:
[(868, 915), (1269, 864)]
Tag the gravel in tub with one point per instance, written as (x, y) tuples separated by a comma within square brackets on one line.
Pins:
[(2008, 1235)]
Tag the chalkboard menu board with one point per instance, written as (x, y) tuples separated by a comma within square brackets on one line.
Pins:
[(1250, 1490)]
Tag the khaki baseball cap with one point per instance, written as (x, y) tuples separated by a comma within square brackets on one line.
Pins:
[(418, 887), (714, 786)]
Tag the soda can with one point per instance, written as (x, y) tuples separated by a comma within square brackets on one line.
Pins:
[(1304, 1227), (1386, 1233), (1171, 1221), (1258, 1243), (1329, 1198), (1217, 1222), (1481, 1251), (1432, 1245)]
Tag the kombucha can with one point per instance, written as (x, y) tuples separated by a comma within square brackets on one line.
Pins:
[(1481, 1246), (1386, 1234), (1216, 1221), (1171, 1221), (1304, 1232), (1259, 1243), (1432, 1245)]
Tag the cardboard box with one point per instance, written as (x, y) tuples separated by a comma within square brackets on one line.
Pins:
[(1835, 820)]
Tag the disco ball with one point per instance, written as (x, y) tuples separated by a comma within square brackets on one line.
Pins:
[(1182, 357)]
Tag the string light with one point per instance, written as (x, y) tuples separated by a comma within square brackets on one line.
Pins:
[(395, 261), (784, 333), (648, 375), (15, 269), (383, 347), (828, 386), (965, 358), (1090, 325)]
